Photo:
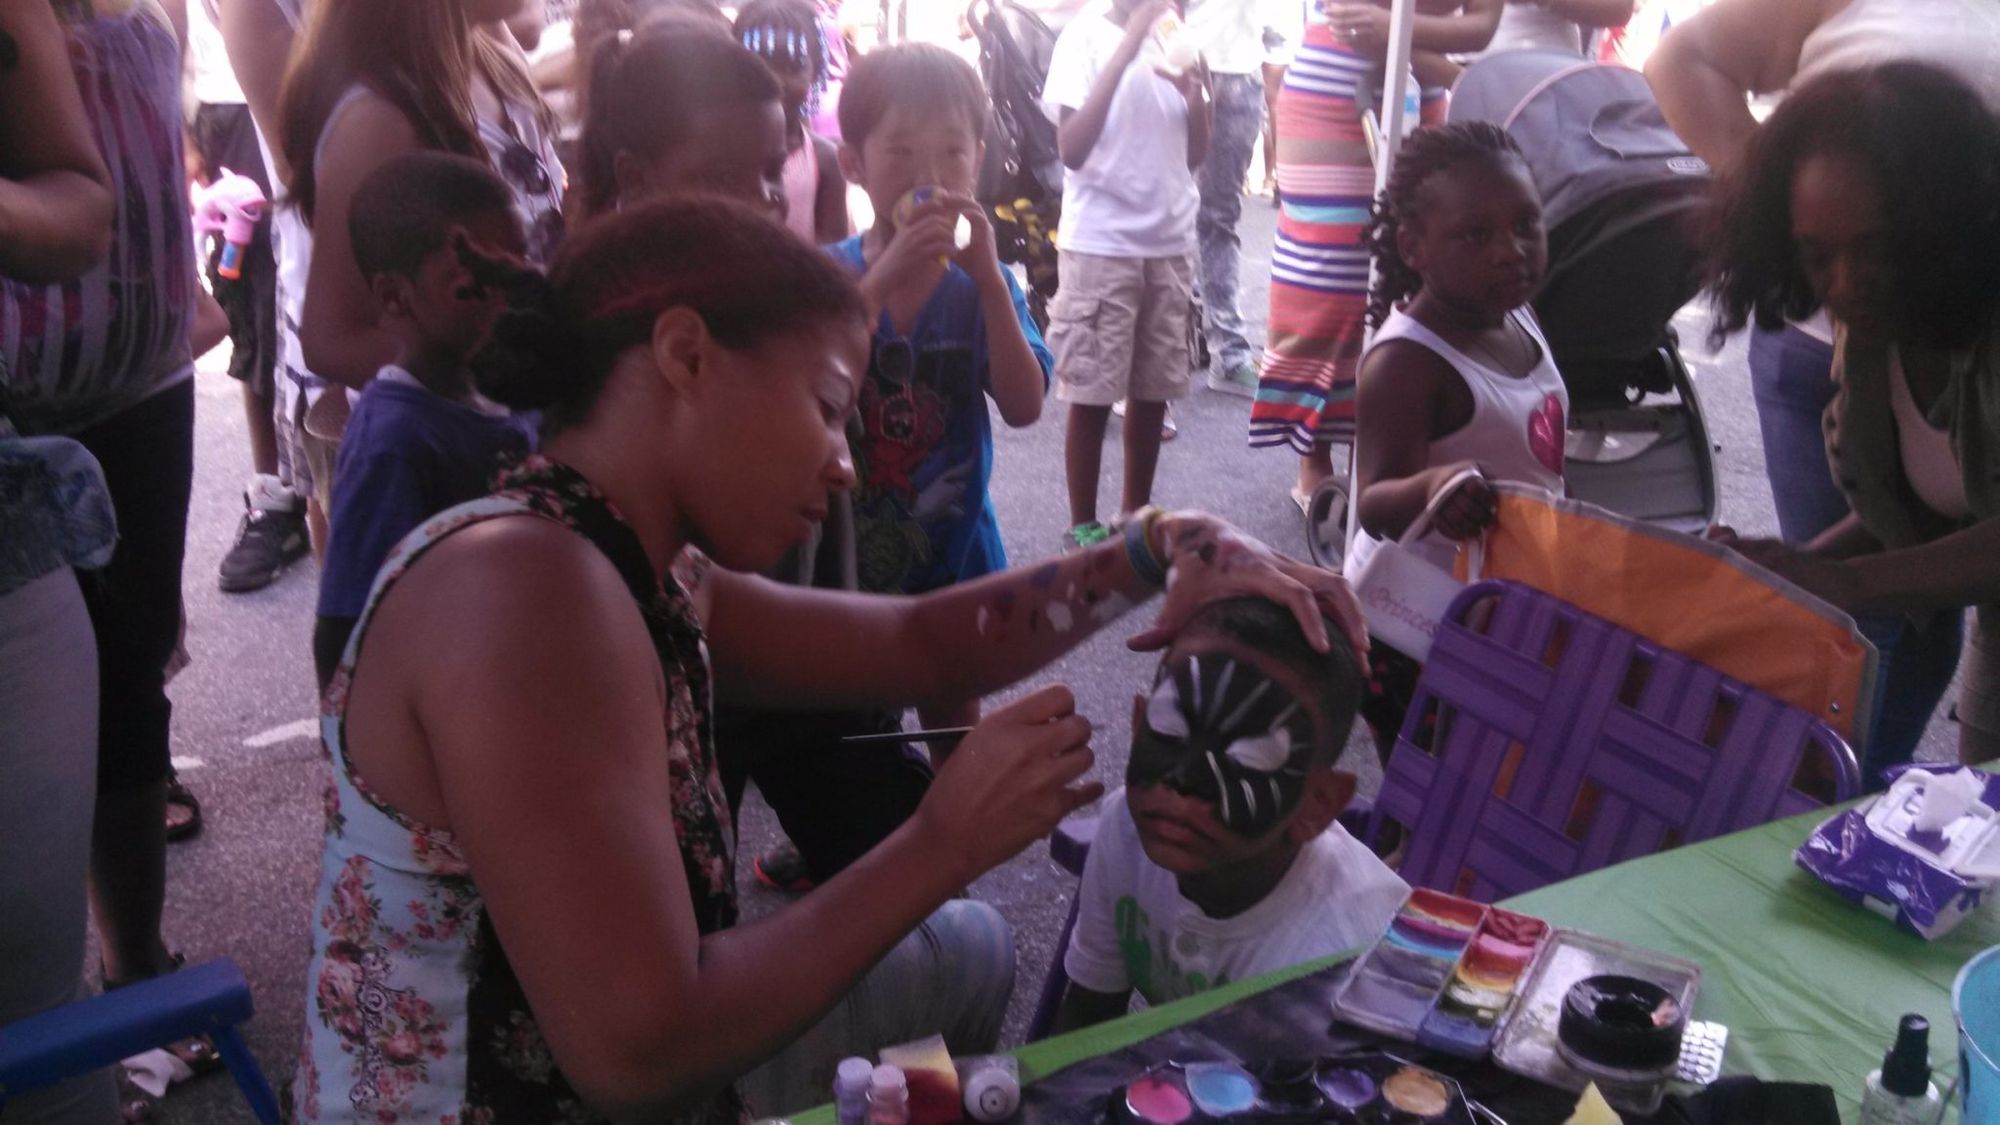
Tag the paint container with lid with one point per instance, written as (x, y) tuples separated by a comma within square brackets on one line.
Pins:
[(992, 1087), (961, 233), (850, 1090)]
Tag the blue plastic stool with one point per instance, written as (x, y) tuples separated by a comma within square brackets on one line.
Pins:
[(210, 999)]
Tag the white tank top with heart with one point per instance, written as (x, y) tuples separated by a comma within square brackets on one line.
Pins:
[(1517, 425)]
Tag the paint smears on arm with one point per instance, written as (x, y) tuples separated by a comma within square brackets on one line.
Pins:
[(1077, 592)]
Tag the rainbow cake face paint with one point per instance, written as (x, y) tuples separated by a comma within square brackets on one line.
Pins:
[(1443, 974)]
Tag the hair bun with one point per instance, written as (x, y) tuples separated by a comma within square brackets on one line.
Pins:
[(522, 365)]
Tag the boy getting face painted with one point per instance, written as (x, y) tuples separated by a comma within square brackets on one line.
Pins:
[(1222, 858)]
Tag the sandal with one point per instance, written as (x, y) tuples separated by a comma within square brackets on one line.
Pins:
[(183, 811), (198, 1052)]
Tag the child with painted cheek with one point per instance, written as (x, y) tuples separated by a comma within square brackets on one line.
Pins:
[(1458, 387), (1222, 858)]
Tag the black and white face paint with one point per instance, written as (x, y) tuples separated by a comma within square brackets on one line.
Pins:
[(1220, 730)]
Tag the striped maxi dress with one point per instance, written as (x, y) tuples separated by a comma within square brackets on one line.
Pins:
[(1319, 269)]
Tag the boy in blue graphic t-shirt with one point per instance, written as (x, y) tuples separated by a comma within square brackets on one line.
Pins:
[(952, 329)]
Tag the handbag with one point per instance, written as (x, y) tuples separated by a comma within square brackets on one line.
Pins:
[(1403, 594)]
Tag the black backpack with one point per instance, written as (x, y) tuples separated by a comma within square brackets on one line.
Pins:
[(1021, 180)]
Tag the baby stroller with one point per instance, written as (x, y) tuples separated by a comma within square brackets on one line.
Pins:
[(1622, 197)]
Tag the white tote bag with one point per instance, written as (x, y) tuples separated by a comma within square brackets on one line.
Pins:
[(1403, 594)]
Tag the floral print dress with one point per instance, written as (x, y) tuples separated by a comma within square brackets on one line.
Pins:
[(413, 1013)]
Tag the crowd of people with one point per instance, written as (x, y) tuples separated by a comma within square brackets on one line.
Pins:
[(616, 441)]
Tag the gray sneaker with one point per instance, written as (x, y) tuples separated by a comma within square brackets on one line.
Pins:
[(1240, 380)]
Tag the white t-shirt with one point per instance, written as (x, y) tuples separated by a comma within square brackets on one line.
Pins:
[(214, 81), (1230, 33), (1134, 197), (1135, 931)]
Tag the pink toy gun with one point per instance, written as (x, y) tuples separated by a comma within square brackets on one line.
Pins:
[(233, 205)]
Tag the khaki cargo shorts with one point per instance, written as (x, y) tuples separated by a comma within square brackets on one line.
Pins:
[(1119, 328)]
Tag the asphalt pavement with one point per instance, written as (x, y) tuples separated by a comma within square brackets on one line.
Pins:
[(246, 740)]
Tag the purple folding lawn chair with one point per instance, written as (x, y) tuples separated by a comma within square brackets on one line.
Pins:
[(1544, 742)]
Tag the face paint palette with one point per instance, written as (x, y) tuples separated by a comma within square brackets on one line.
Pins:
[(1444, 975), (1374, 1089)]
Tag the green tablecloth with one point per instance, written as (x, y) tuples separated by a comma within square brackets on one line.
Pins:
[(1809, 986)]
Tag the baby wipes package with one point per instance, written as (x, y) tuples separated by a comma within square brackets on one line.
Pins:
[(1923, 854)]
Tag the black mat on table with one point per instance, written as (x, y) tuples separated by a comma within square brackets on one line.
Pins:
[(1293, 1021)]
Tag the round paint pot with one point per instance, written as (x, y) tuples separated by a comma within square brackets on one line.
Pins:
[(1287, 1087), (1159, 1097), (1417, 1092), (1347, 1087), (1620, 1023), (1221, 1089)]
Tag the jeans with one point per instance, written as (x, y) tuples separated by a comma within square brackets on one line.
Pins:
[(1791, 375), (951, 976), (1239, 120), (147, 453), (48, 784), (1915, 669)]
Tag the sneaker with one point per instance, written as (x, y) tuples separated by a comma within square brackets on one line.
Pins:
[(782, 869), (1085, 535), (1239, 380), (1169, 429), (267, 541)]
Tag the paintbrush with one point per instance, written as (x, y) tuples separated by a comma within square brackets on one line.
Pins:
[(938, 734)]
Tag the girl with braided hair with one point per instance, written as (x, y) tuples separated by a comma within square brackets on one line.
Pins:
[(1458, 376), (787, 36)]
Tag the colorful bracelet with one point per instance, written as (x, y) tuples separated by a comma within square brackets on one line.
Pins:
[(1146, 562)]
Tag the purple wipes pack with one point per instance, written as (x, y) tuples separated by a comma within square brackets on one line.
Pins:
[(1922, 854)]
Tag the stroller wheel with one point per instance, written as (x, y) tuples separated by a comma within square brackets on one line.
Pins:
[(1326, 523)]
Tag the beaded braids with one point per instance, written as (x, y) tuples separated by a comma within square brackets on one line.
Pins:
[(788, 30), (1427, 153)]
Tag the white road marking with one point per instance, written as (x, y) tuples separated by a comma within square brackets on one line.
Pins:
[(183, 765), (304, 728)]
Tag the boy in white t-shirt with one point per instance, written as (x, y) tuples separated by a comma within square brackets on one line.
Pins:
[(1221, 858), (1131, 131)]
